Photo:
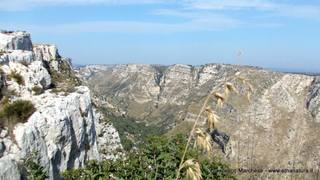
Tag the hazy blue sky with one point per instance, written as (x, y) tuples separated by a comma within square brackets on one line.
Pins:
[(271, 33)]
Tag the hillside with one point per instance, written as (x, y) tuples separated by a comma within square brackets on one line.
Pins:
[(278, 128)]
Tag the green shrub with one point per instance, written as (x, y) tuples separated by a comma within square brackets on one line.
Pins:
[(158, 158), (127, 143), (16, 112), (129, 126), (32, 168), (17, 77), (37, 90)]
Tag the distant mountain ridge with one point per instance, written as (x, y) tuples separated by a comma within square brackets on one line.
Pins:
[(278, 128)]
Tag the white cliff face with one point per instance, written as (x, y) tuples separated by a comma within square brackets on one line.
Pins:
[(45, 52), (177, 80), (90, 70), (9, 169), (17, 56), (63, 130), (15, 41), (207, 73), (148, 89), (35, 74)]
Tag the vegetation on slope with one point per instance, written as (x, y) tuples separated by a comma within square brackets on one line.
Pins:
[(63, 80), (132, 133), (31, 168), (15, 112), (17, 77), (158, 158)]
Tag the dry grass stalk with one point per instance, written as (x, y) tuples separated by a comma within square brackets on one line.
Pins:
[(212, 118), (249, 96), (220, 98), (230, 88), (247, 83), (250, 87), (193, 169), (192, 132)]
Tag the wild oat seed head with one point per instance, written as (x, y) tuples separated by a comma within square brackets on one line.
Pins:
[(193, 169), (203, 140), (230, 88), (212, 118), (220, 98)]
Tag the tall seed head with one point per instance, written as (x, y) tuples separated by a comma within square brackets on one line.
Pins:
[(212, 118), (220, 99), (193, 169), (203, 140), (229, 89)]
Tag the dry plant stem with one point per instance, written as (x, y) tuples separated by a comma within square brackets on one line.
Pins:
[(192, 131)]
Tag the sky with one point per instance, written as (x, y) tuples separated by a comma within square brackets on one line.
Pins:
[(278, 34)]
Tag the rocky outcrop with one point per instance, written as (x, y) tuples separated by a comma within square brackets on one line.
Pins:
[(9, 169), (69, 144), (63, 131), (35, 74), (15, 41), (175, 84), (313, 101), (109, 143), (17, 56), (45, 52), (90, 70), (278, 128)]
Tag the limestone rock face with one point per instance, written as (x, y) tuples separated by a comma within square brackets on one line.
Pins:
[(9, 169), (35, 74), (176, 83), (17, 56), (15, 41), (90, 70), (63, 131), (45, 52), (279, 127), (109, 143), (313, 102)]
